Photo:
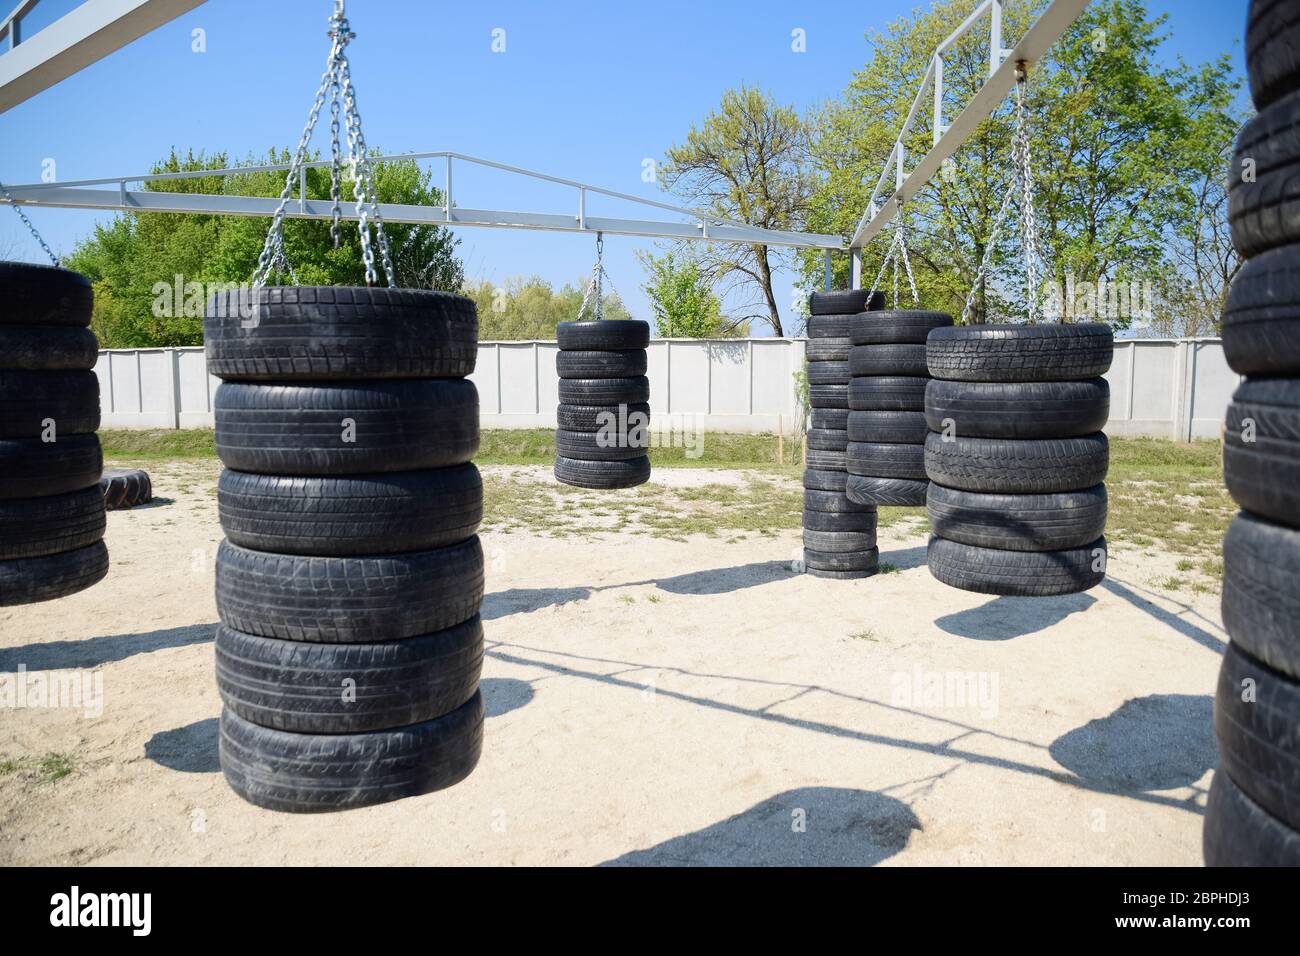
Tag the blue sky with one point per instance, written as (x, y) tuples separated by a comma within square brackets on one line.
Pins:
[(583, 90)]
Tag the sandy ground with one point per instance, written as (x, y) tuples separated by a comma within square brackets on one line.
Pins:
[(658, 702)]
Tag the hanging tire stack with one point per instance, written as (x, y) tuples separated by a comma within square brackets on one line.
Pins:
[(886, 423), (349, 583), (1016, 457), (602, 422), (51, 509), (839, 535), (1252, 817)]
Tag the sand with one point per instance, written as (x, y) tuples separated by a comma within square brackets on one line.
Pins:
[(654, 701)]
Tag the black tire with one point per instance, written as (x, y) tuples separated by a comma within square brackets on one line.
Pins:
[(820, 459), (33, 527), (29, 580), (828, 350), (125, 488), (1258, 744), (43, 295), (316, 773), (829, 325), (867, 560), (1261, 319), (1272, 50), (1263, 475), (897, 326), (828, 373), (1261, 605), (1015, 466), (862, 522), (31, 468), (838, 542), (836, 419), (1018, 409), (29, 400), (888, 393), (348, 688), (828, 439), (602, 475), (1055, 522), (603, 335), (890, 359), (828, 396), (320, 333), (845, 301), (399, 425), (892, 492), (605, 391), (1017, 573), (840, 575), (353, 515), (1264, 212), (902, 427), (592, 418), (47, 347), (886, 460), (627, 363), (1020, 353), (830, 502), (1238, 832), (602, 446), (349, 600), (824, 479)]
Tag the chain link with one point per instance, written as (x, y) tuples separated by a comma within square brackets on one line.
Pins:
[(596, 285), (31, 228), (898, 251), (336, 84)]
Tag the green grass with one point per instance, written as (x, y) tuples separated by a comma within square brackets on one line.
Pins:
[(158, 444), (55, 766)]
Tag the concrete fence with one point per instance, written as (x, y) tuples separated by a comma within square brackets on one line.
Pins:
[(1176, 388)]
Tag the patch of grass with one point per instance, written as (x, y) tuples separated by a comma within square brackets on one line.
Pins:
[(55, 766), (867, 635), (887, 568), (7, 766), (159, 443)]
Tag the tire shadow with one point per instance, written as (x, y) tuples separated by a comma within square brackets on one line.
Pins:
[(905, 559), (1159, 742), (1005, 618), (94, 651), (726, 580), (522, 600), (504, 694), (810, 826), (189, 749)]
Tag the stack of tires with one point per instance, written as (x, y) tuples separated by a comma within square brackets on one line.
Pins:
[(887, 429), (51, 509), (1016, 457), (839, 535), (602, 422), (1253, 814), (350, 580)]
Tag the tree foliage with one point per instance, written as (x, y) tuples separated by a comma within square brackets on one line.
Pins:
[(683, 300), (522, 308), (131, 258)]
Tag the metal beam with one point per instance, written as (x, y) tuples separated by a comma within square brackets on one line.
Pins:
[(89, 33), (119, 200), (1045, 31)]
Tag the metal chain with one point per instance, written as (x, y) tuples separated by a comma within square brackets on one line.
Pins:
[(336, 162), (1029, 220), (336, 80), (31, 228), (982, 273), (596, 286), (898, 250)]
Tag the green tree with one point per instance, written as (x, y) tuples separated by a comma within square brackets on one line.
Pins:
[(682, 299), (747, 161), (135, 255), (1120, 143), (521, 308)]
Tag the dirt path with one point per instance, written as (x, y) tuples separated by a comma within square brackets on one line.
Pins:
[(656, 701)]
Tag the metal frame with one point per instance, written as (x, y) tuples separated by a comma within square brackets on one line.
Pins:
[(80, 194), (89, 33), (1045, 31)]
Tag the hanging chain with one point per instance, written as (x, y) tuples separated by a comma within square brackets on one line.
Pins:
[(336, 83), (596, 286), (898, 251), (28, 223)]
